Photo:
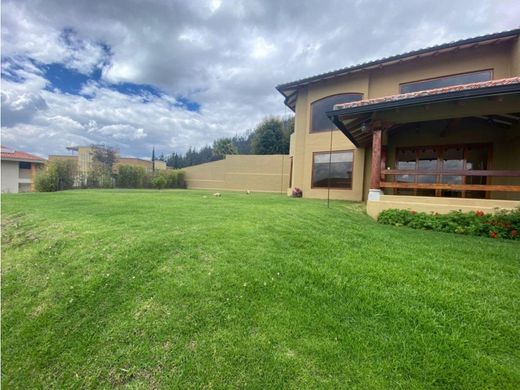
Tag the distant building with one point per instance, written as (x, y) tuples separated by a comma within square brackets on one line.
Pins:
[(18, 170), (83, 157)]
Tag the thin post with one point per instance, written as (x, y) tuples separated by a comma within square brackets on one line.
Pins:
[(328, 176), (281, 184)]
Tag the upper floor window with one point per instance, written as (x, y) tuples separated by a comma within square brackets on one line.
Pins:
[(25, 165), (447, 81), (319, 120)]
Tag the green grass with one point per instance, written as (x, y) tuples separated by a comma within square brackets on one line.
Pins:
[(178, 289)]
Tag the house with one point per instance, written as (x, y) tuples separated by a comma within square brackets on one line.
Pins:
[(83, 156), (436, 129), (19, 170)]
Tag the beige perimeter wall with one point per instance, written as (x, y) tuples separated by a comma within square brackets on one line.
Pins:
[(242, 172)]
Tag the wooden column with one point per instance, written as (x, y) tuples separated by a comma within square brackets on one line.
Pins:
[(33, 175), (375, 178)]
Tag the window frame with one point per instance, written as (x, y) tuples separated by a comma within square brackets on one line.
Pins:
[(352, 151), (24, 163), (311, 110), (440, 155), (490, 70)]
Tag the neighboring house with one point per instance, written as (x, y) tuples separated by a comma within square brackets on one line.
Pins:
[(83, 157), (435, 129), (18, 170)]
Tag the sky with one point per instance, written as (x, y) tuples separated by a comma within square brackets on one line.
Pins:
[(177, 74)]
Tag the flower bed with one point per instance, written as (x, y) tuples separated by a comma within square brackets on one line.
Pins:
[(502, 224)]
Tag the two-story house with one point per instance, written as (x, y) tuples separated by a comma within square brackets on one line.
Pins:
[(436, 129)]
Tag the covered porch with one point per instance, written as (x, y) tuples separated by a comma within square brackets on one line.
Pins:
[(453, 148)]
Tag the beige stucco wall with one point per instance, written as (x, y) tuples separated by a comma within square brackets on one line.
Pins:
[(503, 59), (515, 58), (10, 172), (439, 205), (269, 173)]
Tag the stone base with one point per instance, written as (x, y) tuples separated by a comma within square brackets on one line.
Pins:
[(374, 194)]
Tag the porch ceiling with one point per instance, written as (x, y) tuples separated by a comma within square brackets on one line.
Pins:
[(496, 101)]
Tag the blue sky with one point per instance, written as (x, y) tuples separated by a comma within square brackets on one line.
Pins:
[(175, 74)]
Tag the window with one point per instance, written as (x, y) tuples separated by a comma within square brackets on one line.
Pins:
[(25, 165), (339, 164), (444, 162), (319, 120), (446, 81)]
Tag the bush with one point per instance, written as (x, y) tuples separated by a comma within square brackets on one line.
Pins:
[(502, 224), (130, 176), (57, 176), (159, 182), (173, 178)]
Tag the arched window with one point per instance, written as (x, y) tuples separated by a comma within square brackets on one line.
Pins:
[(319, 120)]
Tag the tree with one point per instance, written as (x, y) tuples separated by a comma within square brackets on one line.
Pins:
[(57, 176), (103, 160), (269, 137), (224, 146), (104, 156)]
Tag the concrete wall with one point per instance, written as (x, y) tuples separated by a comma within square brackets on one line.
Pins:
[(437, 204), (502, 58), (10, 173), (241, 172)]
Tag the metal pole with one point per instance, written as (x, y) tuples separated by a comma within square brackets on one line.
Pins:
[(330, 162)]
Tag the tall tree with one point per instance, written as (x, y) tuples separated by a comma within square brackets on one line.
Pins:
[(224, 146), (269, 137)]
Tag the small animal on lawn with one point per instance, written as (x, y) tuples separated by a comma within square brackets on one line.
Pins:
[(217, 194), (248, 192)]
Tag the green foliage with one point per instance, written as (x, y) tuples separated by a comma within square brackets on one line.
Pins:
[(159, 182), (268, 142), (222, 147), (129, 176), (103, 157), (269, 137), (502, 224), (56, 176), (132, 289)]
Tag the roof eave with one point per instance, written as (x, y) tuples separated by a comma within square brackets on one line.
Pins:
[(429, 99), (396, 58)]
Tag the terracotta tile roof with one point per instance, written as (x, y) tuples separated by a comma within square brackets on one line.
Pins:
[(11, 154), (429, 92)]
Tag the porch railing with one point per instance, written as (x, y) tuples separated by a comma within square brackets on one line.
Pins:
[(385, 183)]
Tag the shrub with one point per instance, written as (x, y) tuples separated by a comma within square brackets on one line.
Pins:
[(57, 176), (159, 182), (502, 224), (130, 176), (173, 178)]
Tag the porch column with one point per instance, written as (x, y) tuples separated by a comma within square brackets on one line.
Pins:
[(375, 179), (33, 175)]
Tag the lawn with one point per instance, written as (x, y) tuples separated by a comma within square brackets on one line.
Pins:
[(179, 289)]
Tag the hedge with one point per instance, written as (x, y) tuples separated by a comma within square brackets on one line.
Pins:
[(501, 224)]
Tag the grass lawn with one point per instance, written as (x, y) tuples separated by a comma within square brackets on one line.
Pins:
[(178, 289)]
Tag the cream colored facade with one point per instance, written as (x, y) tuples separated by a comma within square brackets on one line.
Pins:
[(259, 173), (84, 160), (502, 57)]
